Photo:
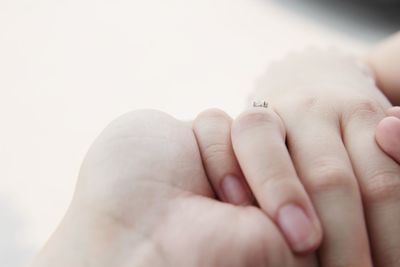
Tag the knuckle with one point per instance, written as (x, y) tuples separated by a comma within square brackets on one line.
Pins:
[(215, 152), (255, 118), (382, 187), (365, 108), (213, 114), (279, 181), (330, 178), (310, 103), (212, 130), (212, 121), (299, 105)]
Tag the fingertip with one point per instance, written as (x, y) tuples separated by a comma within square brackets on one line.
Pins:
[(302, 231), (301, 227), (388, 136), (212, 129), (213, 114)]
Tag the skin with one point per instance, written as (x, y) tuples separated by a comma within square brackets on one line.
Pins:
[(385, 63), (138, 201), (388, 133), (384, 60), (143, 199), (330, 122), (274, 185)]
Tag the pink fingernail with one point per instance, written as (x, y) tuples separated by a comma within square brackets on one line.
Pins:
[(298, 228), (234, 191)]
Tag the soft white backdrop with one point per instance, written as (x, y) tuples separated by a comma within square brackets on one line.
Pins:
[(68, 67)]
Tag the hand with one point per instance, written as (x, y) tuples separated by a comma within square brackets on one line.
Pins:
[(143, 199), (330, 109), (259, 150)]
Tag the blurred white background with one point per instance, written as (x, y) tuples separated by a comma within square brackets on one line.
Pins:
[(68, 67)]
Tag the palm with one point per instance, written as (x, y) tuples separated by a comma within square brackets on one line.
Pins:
[(156, 191)]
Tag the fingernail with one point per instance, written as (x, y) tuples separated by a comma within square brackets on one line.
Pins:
[(234, 191), (298, 228)]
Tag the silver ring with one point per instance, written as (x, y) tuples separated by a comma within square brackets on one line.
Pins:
[(260, 104)]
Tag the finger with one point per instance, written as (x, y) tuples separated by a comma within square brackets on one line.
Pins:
[(258, 139), (379, 179), (393, 111), (384, 60), (388, 137), (388, 133), (213, 132), (325, 170)]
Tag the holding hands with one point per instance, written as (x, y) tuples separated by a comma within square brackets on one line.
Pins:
[(265, 189)]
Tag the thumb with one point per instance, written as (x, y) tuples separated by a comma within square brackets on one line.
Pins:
[(388, 133)]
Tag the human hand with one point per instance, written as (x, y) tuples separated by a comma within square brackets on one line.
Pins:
[(258, 149), (330, 109), (143, 199)]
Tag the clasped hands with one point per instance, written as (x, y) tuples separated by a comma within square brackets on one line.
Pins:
[(300, 183)]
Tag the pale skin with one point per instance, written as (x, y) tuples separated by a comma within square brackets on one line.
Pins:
[(385, 60), (143, 199), (151, 190)]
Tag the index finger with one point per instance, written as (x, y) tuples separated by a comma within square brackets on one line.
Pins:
[(258, 138)]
